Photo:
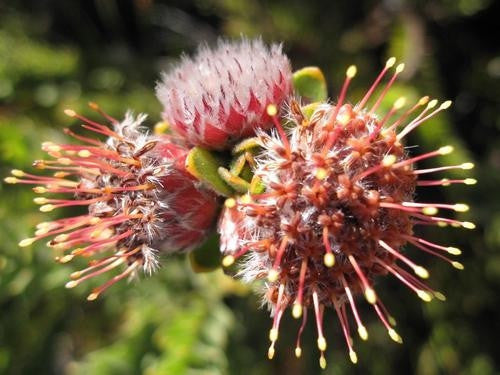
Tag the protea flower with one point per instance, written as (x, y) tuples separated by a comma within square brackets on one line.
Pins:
[(337, 212), (221, 95), (140, 199)]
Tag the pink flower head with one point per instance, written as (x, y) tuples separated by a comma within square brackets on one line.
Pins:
[(140, 199), (220, 95), (337, 211)]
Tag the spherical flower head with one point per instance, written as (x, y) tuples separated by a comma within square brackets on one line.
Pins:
[(140, 199), (220, 95), (336, 213)]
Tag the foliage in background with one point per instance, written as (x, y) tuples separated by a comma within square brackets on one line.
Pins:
[(55, 55)]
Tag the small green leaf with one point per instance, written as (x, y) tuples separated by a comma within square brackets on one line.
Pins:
[(309, 82), (207, 257), (246, 145), (237, 183), (309, 109), (203, 165)]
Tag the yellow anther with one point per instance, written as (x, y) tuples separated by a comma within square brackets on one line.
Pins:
[(228, 260), (270, 352), (64, 161), (421, 272), (468, 225), (329, 259), (363, 333), (322, 362), (321, 173), (400, 103), (470, 181), (69, 112), (424, 296), (400, 68), (297, 310), (445, 182), (92, 296), (442, 224), (395, 336), (453, 250), (353, 356), (26, 242), (445, 105), (467, 165), (273, 334), (161, 127), (458, 265), (75, 275), (273, 275), (440, 296), (461, 207), (423, 100), (230, 202), (40, 189), (321, 343), (430, 211), (11, 180), (272, 110), (298, 352), (370, 296), (47, 208), (432, 104), (389, 160), (71, 284), (390, 62), (61, 238), (94, 220), (84, 153), (245, 199), (351, 71), (445, 150), (40, 200), (17, 172), (66, 258)]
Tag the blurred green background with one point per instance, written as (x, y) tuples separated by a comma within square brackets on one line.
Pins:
[(60, 54)]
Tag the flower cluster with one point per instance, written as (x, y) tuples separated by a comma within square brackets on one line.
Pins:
[(220, 96), (337, 210), (139, 196), (324, 208)]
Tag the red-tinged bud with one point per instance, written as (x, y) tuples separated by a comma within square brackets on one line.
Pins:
[(220, 95), (336, 213), (141, 200)]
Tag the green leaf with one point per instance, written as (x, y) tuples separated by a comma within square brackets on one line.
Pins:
[(203, 165), (237, 183), (207, 257), (309, 82)]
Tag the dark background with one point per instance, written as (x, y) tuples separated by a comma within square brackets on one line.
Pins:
[(60, 54)]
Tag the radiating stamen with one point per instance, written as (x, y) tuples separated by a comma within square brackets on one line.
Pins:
[(97, 291), (399, 69), (363, 333), (318, 312), (350, 74), (415, 123), (298, 348), (369, 293), (389, 64), (419, 270), (272, 111), (297, 305), (274, 273), (344, 325)]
